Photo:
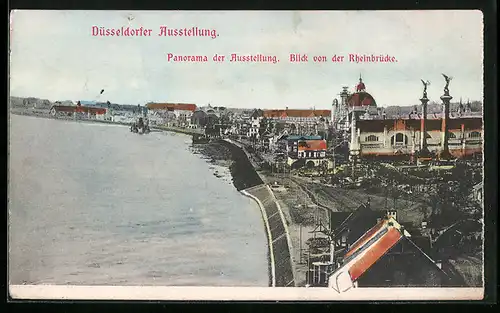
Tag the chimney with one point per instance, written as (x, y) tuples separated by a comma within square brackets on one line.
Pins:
[(392, 213)]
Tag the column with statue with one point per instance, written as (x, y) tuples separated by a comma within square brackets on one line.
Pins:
[(424, 151), (446, 98)]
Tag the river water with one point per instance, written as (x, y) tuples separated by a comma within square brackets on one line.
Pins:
[(94, 204)]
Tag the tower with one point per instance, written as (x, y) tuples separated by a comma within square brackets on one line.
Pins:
[(343, 108)]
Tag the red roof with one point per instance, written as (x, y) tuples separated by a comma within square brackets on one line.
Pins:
[(312, 145), (90, 110), (367, 236), (172, 106), (361, 99), (375, 252), (360, 87), (370, 248), (64, 108)]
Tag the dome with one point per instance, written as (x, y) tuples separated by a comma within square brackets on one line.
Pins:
[(361, 97)]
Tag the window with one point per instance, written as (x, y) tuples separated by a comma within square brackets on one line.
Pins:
[(399, 139), (371, 138), (475, 135), (451, 135)]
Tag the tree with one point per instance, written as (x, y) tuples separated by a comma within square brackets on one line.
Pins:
[(280, 127)]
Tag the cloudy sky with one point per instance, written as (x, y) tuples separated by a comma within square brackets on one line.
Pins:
[(54, 56)]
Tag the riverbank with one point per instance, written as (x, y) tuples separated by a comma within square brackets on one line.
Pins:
[(249, 182), (299, 214), (62, 118)]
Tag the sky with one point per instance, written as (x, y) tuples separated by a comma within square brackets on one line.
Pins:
[(54, 56)]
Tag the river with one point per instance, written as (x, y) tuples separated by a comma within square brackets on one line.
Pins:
[(94, 204)]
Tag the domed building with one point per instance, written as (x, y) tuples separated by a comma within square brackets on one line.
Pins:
[(374, 132), (361, 98)]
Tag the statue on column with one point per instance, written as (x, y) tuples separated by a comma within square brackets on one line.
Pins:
[(426, 83), (447, 79)]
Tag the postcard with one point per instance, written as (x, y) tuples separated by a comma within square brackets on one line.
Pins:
[(246, 155)]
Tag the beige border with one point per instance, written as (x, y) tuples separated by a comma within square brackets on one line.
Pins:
[(51, 292)]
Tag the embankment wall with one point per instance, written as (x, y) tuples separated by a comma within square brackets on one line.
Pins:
[(249, 183)]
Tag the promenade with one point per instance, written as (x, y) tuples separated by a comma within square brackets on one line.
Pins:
[(281, 266)]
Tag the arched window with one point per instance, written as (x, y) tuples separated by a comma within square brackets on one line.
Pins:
[(475, 135), (399, 139), (371, 138)]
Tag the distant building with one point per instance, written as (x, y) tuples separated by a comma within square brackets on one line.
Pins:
[(255, 123), (402, 137), (372, 132), (199, 118), (177, 113), (312, 149), (309, 150), (301, 122), (84, 111), (294, 141)]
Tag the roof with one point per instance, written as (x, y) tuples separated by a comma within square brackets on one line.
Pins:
[(90, 109), (257, 113), (357, 221), (67, 108), (295, 113), (337, 218), (172, 106), (361, 98), (370, 247), (64, 108), (313, 145), (87, 102)]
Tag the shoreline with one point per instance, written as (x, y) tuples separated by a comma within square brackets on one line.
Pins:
[(270, 254), (249, 182)]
